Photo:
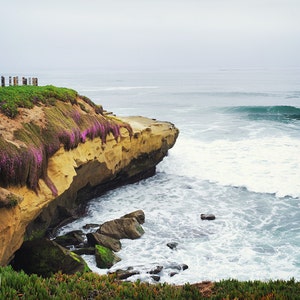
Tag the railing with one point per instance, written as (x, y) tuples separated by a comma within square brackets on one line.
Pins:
[(15, 81)]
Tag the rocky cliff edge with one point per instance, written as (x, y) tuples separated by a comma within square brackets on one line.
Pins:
[(124, 151)]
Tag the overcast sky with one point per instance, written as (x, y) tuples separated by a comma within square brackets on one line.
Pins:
[(149, 34)]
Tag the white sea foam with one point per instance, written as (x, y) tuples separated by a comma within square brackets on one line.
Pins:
[(264, 165)]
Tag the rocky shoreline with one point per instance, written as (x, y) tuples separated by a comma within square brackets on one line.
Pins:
[(103, 243), (75, 151)]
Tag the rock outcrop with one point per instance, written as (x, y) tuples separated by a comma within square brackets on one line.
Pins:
[(123, 228), (79, 174), (47, 258)]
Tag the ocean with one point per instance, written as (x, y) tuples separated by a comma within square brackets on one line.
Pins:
[(237, 157)]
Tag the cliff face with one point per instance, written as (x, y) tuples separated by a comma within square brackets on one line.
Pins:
[(78, 174)]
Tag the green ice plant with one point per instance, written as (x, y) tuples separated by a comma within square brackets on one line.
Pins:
[(18, 285)]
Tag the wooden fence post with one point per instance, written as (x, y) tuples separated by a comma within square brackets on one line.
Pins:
[(2, 81), (16, 80), (9, 80), (34, 81)]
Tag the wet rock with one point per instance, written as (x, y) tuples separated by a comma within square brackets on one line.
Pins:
[(176, 266), (172, 245), (73, 238), (45, 257), (85, 250), (207, 217), (155, 277), (138, 214), (172, 274), (96, 238), (156, 270), (105, 258), (122, 228), (124, 274), (184, 267), (90, 226)]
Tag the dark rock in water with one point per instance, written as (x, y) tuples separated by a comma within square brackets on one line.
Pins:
[(96, 238), (175, 266), (124, 274), (74, 238), (172, 274), (178, 267), (45, 257), (138, 214), (172, 245), (184, 267), (156, 270), (155, 277), (90, 226), (122, 228), (105, 258), (207, 217), (85, 250)]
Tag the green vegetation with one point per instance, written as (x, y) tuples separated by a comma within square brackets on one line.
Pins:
[(18, 285), (10, 201), (12, 97)]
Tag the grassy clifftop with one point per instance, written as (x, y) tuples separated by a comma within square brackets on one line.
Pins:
[(36, 121)]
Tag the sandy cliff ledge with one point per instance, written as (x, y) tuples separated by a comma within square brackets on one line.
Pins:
[(80, 174)]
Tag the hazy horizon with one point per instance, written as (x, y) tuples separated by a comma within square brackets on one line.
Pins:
[(138, 35)]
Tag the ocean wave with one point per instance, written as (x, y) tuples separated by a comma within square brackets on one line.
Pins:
[(280, 113)]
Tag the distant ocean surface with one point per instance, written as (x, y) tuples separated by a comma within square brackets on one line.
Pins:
[(237, 157)]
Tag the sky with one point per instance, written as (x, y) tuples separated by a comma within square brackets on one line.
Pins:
[(149, 34)]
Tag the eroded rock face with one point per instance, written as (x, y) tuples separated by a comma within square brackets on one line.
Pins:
[(81, 174)]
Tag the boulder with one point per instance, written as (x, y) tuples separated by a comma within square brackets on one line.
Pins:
[(97, 238), (105, 258), (156, 270), (172, 245), (138, 214), (45, 257), (124, 274), (123, 228), (155, 278), (90, 226), (72, 238), (207, 217)]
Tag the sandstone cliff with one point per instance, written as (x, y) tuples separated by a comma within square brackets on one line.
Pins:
[(73, 174)]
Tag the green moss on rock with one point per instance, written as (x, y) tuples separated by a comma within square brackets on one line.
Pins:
[(45, 257), (105, 258)]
